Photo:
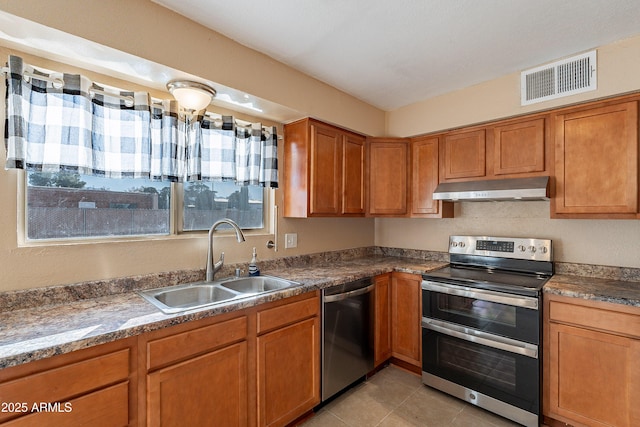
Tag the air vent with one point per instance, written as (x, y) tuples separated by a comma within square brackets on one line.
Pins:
[(558, 79)]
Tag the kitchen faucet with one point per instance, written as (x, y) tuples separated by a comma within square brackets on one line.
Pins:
[(211, 267)]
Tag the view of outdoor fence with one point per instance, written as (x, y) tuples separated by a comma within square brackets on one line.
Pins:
[(56, 223)]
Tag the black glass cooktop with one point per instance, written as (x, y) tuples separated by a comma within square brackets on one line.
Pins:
[(493, 279)]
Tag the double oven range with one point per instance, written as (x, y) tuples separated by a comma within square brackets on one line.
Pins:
[(482, 324)]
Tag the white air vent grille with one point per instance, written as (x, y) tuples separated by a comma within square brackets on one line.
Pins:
[(562, 78)]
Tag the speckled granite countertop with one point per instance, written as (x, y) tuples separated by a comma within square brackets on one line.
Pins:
[(596, 289), (41, 331), (39, 323)]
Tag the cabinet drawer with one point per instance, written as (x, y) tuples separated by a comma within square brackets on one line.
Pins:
[(60, 384), (277, 317), (190, 343), (595, 318), (103, 408)]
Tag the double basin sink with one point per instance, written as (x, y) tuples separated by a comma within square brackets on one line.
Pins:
[(174, 299)]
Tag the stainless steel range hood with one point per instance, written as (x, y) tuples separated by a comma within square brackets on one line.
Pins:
[(536, 188)]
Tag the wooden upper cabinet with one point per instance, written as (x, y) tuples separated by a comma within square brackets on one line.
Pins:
[(463, 155), (326, 170), (388, 177), (323, 170), (596, 162), (505, 149), (353, 193), (424, 179), (518, 147)]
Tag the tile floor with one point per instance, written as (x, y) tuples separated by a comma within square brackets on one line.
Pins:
[(396, 398)]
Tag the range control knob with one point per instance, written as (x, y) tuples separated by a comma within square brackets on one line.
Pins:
[(454, 244), (532, 249), (543, 249), (462, 244), (522, 248)]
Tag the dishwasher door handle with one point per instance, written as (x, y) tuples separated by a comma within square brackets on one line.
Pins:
[(345, 295)]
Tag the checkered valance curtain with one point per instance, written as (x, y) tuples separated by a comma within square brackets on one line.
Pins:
[(67, 123)]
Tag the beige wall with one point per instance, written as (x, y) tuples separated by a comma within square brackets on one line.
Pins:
[(605, 242), (618, 72), (148, 31)]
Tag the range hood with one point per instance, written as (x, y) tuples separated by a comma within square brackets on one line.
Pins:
[(536, 188)]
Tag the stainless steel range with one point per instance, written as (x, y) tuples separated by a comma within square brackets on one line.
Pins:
[(481, 324)]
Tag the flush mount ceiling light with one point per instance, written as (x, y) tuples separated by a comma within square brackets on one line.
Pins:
[(191, 95)]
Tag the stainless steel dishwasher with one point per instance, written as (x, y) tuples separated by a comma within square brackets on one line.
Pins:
[(347, 335)]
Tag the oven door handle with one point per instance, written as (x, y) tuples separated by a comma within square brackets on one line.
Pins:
[(501, 298), (483, 338)]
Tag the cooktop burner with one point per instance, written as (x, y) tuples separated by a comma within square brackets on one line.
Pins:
[(513, 265)]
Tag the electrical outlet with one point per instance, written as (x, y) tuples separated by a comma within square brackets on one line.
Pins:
[(290, 240)]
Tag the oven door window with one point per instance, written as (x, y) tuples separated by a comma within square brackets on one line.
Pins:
[(519, 323), (509, 377)]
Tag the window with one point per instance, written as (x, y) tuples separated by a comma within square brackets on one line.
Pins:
[(207, 202), (107, 142), (68, 205)]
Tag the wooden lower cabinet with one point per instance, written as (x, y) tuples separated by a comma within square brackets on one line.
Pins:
[(592, 362), (204, 391), (197, 373), (288, 361), (405, 318), (382, 316), (93, 387), (259, 366)]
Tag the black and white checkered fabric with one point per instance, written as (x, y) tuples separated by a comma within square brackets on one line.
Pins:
[(168, 143), (228, 152), (51, 128)]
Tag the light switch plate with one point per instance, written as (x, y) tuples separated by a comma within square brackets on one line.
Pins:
[(290, 240)]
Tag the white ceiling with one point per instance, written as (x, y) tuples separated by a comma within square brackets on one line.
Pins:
[(392, 53)]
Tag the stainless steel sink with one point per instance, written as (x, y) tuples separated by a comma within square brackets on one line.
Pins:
[(257, 284), (188, 296)]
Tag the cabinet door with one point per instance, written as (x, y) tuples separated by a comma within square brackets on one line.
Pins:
[(326, 170), (102, 408), (388, 177), (597, 160), (424, 176), (594, 377), (288, 372), (405, 318), (382, 324), (519, 148), (353, 175), (94, 386), (463, 155), (204, 391)]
